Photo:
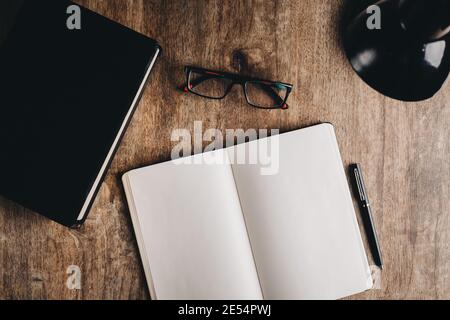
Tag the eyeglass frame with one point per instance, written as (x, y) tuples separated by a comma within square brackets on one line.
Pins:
[(237, 79)]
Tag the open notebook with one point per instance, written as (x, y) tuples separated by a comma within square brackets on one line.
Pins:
[(224, 231)]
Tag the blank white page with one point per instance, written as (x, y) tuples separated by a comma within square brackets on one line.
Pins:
[(301, 221), (191, 231)]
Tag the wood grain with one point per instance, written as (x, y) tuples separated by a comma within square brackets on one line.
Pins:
[(404, 147)]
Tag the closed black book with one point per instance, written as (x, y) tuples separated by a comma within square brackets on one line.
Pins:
[(66, 98)]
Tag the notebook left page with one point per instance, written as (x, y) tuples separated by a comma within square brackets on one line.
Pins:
[(191, 231)]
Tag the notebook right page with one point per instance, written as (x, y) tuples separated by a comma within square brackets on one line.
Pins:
[(301, 221)]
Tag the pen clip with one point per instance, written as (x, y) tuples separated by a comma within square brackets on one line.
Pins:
[(362, 194)]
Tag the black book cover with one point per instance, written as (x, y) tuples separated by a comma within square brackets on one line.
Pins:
[(66, 97)]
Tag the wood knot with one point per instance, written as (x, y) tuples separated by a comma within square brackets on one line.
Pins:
[(249, 61), (240, 62)]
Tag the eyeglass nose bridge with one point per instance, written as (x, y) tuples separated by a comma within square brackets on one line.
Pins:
[(232, 85), (240, 83)]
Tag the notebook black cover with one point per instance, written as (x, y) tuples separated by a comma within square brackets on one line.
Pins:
[(66, 97)]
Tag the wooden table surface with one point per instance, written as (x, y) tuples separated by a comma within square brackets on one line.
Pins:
[(404, 147)]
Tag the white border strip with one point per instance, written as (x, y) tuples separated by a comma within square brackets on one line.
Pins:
[(116, 141)]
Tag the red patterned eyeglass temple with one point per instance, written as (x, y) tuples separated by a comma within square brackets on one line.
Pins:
[(216, 85)]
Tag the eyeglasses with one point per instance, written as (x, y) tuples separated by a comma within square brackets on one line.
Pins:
[(216, 85)]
